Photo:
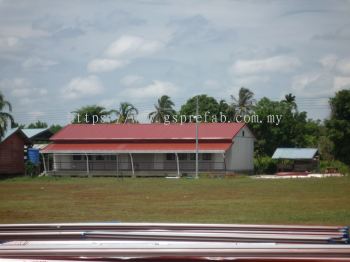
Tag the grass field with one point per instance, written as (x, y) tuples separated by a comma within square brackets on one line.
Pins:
[(235, 200)]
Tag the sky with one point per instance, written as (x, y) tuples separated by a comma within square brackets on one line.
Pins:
[(56, 56)]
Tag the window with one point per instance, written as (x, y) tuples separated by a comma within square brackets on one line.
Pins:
[(76, 157), (170, 156), (243, 133), (206, 157), (113, 157), (182, 156), (192, 156), (100, 157)]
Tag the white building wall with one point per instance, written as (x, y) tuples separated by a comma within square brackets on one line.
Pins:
[(241, 154)]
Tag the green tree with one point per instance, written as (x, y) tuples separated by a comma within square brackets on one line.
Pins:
[(290, 99), (37, 124), (339, 125), (291, 131), (91, 114), (205, 104), (16, 125), (224, 108), (126, 113), (312, 133), (163, 107), (244, 103), (5, 116), (55, 128)]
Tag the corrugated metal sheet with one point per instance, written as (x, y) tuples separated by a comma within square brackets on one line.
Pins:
[(174, 242), (30, 132), (294, 153), (40, 146), (8, 133), (210, 131), (135, 147)]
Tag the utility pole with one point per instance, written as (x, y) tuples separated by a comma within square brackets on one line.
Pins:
[(197, 137)]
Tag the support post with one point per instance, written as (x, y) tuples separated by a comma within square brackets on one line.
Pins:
[(132, 165), (87, 164), (45, 170), (117, 158), (177, 164), (196, 137), (224, 157)]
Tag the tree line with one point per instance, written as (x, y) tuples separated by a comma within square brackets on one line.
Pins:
[(331, 136)]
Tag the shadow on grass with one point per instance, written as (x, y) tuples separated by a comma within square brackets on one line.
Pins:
[(10, 176)]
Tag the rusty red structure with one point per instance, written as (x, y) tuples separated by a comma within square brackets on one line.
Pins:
[(12, 152)]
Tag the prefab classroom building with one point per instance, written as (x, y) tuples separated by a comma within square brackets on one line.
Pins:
[(149, 149)]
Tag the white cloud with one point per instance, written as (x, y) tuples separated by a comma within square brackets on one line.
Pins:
[(329, 61), (271, 64), (341, 82), (301, 81), (109, 103), (36, 114), (156, 89), (38, 63), (18, 87), (82, 87), (251, 79), (128, 46), (211, 85), (343, 66), (8, 42), (41, 91), (121, 51), (318, 84), (104, 65), (22, 91), (131, 80), (22, 31)]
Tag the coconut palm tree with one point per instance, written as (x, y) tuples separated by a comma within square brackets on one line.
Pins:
[(244, 104), (90, 114), (290, 100), (126, 113), (163, 108), (5, 117)]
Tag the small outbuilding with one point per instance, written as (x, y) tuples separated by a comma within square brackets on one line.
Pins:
[(296, 159), (12, 152)]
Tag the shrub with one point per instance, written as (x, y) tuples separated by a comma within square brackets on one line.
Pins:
[(265, 165), (343, 168), (31, 169)]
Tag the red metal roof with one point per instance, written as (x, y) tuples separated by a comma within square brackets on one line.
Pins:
[(83, 132), (134, 147)]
